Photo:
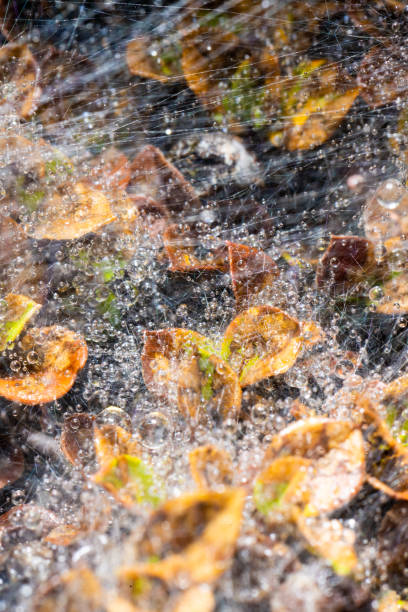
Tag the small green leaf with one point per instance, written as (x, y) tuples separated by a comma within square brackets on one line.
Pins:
[(136, 483), (264, 503), (208, 369), (248, 366), (12, 328)]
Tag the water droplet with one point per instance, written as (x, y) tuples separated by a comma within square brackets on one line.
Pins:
[(32, 358), (343, 368), (113, 415), (390, 193), (259, 413), (18, 497), (376, 293), (15, 365), (154, 430)]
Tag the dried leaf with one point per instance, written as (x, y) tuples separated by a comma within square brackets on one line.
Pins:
[(391, 602), (120, 604), (20, 522), (260, 342), (154, 60), (383, 75), (336, 454), (90, 519), (154, 176), (61, 353), (82, 211), (385, 214), (210, 467), (19, 69), (155, 216), (314, 102), (19, 309), (77, 438), (394, 300), (386, 458), (192, 538), (182, 365), (317, 120), (196, 599), (237, 80), (110, 170), (111, 441), (130, 481), (276, 489), (331, 541), (190, 249), (251, 272), (64, 535), (347, 261), (76, 589)]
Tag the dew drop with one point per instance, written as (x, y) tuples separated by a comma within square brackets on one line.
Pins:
[(390, 193), (113, 415), (376, 293), (154, 430)]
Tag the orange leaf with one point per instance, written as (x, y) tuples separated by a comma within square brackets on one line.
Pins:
[(63, 354)]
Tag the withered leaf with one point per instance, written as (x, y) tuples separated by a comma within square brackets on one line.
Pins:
[(150, 60), (110, 170), (155, 216), (190, 249), (81, 211), (61, 354), (383, 75), (210, 467), (394, 300), (199, 598), (336, 454), (251, 271), (19, 68), (76, 589), (154, 176), (113, 440), (129, 480), (314, 102), (193, 536), (260, 342), (386, 452), (18, 311), (182, 365), (77, 438), (346, 262), (330, 540), (276, 488)]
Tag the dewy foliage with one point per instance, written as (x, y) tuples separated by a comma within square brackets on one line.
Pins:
[(204, 214)]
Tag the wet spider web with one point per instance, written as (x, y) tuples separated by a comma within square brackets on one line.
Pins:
[(306, 196)]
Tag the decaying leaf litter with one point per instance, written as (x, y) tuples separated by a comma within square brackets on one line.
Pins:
[(203, 306)]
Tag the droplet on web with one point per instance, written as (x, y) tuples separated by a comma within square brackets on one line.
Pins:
[(390, 193)]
